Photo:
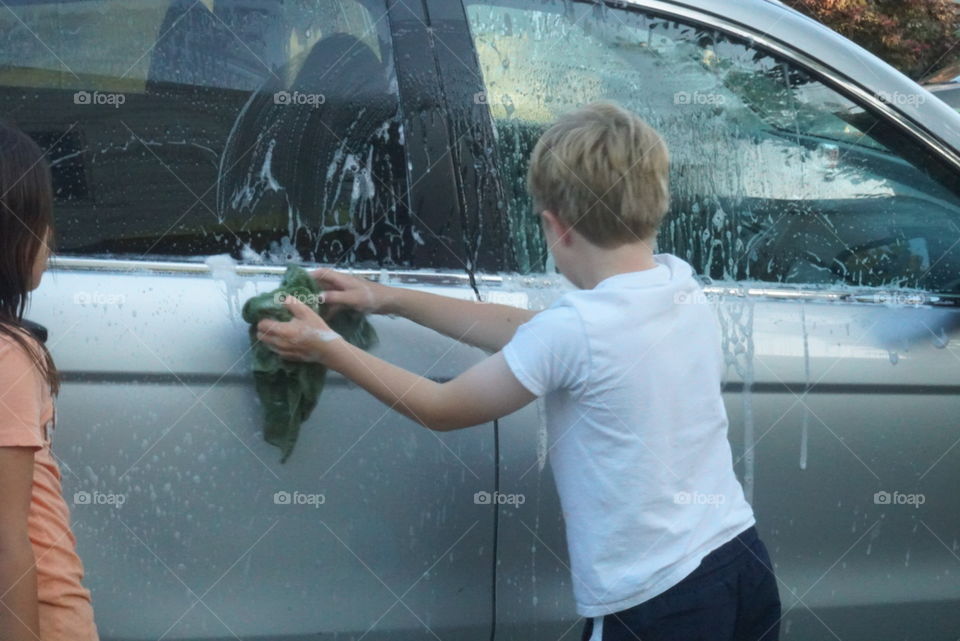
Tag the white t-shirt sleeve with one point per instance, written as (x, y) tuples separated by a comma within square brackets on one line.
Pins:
[(549, 351)]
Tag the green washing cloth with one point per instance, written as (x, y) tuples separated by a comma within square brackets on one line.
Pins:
[(289, 390)]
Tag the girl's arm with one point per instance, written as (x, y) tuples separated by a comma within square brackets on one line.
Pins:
[(488, 326), (486, 391), (19, 620)]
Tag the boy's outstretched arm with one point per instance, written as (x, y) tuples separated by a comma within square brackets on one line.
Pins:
[(486, 391), (488, 326)]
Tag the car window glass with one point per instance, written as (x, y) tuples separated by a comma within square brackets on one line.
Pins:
[(177, 129), (775, 176)]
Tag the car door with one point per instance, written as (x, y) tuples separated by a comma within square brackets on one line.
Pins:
[(824, 222), (196, 148)]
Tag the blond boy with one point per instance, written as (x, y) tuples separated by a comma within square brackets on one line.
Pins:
[(662, 542)]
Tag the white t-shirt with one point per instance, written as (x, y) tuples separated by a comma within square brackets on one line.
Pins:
[(637, 430)]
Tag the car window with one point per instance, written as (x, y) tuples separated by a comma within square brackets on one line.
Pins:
[(775, 176), (267, 130)]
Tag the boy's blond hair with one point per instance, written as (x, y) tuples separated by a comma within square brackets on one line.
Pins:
[(604, 171)]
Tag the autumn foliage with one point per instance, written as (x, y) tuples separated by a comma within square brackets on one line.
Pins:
[(916, 36)]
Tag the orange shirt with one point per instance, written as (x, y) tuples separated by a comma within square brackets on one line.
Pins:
[(26, 420)]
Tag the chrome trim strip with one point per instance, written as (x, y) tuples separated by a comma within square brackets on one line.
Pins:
[(424, 277), (875, 296)]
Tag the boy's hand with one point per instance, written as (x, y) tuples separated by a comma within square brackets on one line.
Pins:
[(306, 337), (344, 290)]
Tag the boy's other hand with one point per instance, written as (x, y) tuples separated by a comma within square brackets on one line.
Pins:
[(344, 290)]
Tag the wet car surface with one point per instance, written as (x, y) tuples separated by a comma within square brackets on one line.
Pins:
[(815, 189)]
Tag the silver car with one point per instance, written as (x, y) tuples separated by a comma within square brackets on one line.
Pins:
[(199, 146)]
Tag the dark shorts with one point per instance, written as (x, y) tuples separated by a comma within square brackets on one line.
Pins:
[(731, 596)]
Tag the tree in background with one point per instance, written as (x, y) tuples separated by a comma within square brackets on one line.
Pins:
[(916, 36)]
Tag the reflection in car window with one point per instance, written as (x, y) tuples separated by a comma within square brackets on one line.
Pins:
[(775, 176), (268, 130)]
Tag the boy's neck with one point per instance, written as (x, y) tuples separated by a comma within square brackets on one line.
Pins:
[(595, 264)]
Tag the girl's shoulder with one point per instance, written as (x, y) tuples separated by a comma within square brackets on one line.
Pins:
[(26, 405), (15, 352)]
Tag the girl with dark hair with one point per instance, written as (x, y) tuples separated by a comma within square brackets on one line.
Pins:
[(41, 595)]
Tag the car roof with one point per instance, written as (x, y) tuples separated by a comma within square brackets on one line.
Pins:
[(777, 22)]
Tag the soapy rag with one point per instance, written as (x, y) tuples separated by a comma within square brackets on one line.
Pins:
[(289, 390)]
